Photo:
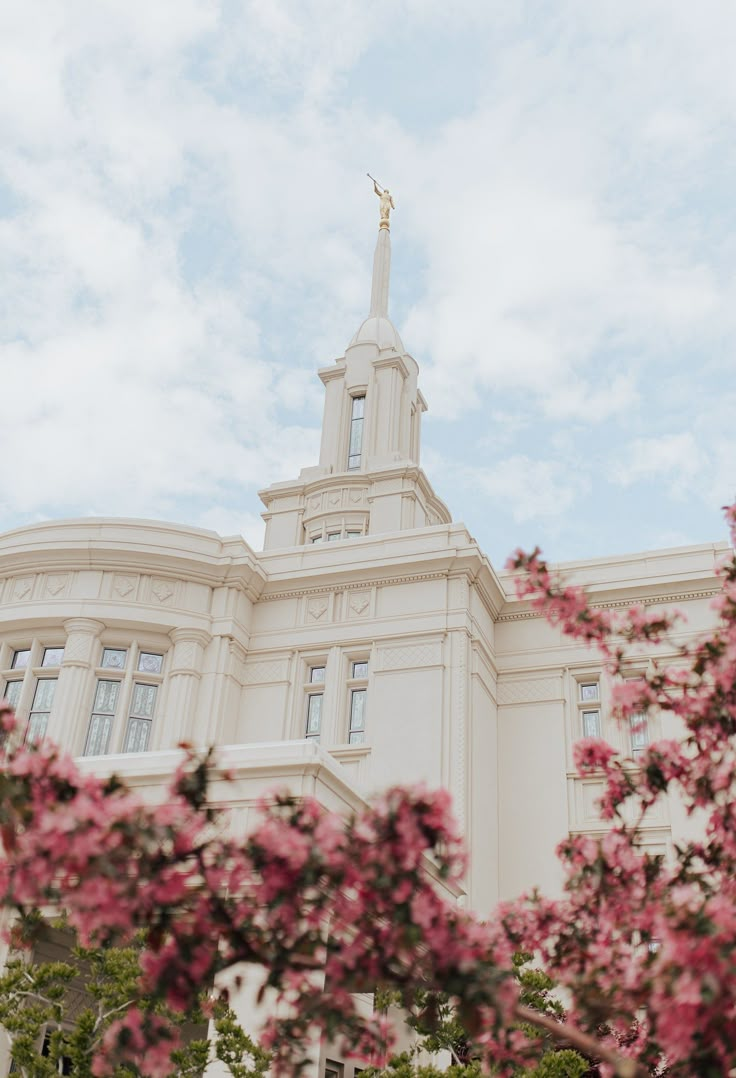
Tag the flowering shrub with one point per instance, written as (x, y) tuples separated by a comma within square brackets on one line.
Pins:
[(305, 894), (647, 946), (645, 949)]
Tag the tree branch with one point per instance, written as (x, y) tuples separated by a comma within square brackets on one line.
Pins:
[(589, 1046)]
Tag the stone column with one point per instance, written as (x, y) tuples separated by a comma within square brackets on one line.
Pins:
[(185, 672), (219, 698), (72, 699)]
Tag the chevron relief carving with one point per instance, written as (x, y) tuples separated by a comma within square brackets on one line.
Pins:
[(359, 602), (317, 608)]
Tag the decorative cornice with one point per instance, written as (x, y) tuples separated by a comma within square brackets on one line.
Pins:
[(326, 374), (652, 600), (393, 359), (657, 600), (296, 593)]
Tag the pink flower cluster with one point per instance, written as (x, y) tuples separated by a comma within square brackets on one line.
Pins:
[(645, 945), (313, 899)]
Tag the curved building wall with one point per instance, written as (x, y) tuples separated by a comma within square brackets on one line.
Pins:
[(124, 636)]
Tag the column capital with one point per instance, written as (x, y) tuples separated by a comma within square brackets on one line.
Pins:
[(190, 635), (84, 625), (81, 634)]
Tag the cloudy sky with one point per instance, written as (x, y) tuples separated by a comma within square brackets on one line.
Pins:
[(186, 234)]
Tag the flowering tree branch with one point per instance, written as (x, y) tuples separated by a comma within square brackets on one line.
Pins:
[(643, 946)]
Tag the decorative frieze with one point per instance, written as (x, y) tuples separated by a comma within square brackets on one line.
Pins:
[(333, 499), (529, 690), (410, 656), (265, 671)]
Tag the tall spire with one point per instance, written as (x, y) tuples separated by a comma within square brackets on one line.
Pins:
[(381, 275), (382, 257), (377, 328)]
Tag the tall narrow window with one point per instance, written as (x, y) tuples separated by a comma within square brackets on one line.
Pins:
[(591, 723), (43, 699), (12, 693), (589, 708), (314, 702), (103, 714), (639, 728), (358, 697), (141, 718), (356, 433)]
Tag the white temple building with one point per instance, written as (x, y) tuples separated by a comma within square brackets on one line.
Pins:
[(371, 642)]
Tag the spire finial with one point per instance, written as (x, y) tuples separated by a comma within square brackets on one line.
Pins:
[(387, 202)]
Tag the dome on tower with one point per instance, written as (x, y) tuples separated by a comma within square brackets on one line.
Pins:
[(377, 329)]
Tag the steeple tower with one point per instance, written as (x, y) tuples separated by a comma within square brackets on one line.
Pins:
[(368, 479)]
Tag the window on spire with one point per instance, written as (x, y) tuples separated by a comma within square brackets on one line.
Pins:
[(356, 433)]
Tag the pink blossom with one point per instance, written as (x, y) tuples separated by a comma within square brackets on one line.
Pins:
[(592, 754)]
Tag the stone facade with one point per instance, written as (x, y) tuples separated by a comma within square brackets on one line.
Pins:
[(370, 643)]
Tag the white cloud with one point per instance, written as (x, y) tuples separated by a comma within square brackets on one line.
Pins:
[(530, 489), (562, 251), (676, 459)]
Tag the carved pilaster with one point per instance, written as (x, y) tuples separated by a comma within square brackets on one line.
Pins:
[(72, 698), (459, 705), (185, 671)]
